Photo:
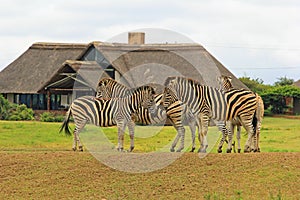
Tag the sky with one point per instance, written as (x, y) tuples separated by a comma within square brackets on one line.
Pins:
[(254, 38)]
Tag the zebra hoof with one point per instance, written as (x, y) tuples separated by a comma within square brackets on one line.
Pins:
[(120, 149), (80, 148), (74, 148), (193, 149), (201, 150), (247, 150), (239, 150), (228, 151), (131, 149), (258, 150), (172, 150), (219, 150), (178, 150)]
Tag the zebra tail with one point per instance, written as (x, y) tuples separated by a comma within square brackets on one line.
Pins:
[(254, 122), (65, 125)]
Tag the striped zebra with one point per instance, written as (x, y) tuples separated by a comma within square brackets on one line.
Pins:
[(226, 85), (111, 112), (206, 102), (177, 112)]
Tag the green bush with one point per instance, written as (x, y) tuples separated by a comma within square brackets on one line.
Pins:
[(268, 111), (11, 111), (20, 112), (50, 117), (5, 107)]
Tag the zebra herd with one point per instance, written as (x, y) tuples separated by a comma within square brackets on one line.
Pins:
[(183, 101)]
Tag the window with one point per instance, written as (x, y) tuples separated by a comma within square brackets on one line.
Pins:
[(39, 102), (55, 101)]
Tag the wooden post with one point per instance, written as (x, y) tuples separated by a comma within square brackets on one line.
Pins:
[(48, 100)]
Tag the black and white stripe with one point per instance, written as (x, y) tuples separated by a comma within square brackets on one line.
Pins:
[(177, 112), (110, 112), (226, 85), (207, 102)]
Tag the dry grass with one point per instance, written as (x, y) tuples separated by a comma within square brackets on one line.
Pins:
[(77, 175)]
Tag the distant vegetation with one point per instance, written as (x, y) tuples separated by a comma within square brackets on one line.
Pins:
[(274, 96), (11, 111)]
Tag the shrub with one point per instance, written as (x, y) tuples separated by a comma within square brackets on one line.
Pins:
[(5, 107), (50, 117), (20, 112)]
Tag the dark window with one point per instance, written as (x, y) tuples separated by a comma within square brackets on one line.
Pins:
[(55, 102), (34, 101), (25, 99), (39, 102)]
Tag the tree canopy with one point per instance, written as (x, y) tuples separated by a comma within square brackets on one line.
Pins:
[(274, 97)]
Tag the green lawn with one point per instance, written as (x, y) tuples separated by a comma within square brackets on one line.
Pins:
[(277, 135)]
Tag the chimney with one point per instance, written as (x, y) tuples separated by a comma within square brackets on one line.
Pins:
[(136, 38)]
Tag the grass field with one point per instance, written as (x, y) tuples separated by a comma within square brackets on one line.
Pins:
[(277, 135), (36, 162)]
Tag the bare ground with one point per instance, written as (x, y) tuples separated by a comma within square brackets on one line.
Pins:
[(77, 175)]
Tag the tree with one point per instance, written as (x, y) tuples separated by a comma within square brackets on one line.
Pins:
[(282, 81), (275, 97), (255, 85)]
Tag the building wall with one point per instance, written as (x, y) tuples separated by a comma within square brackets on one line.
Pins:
[(296, 106), (10, 98)]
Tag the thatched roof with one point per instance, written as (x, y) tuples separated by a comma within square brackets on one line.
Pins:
[(84, 74), (29, 72), (43, 65), (140, 64)]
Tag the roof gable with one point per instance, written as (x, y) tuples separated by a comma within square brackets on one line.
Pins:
[(162, 60), (34, 67)]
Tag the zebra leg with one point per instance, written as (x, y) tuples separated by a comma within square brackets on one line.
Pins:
[(121, 130), (192, 126), (74, 147), (131, 125), (222, 128), (238, 138), (177, 123), (255, 139), (233, 146), (204, 128), (78, 127), (257, 135), (249, 128), (182, 135), (172, 149), (230, 134)]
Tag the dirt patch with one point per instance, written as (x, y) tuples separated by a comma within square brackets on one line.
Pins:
[(72, 175)]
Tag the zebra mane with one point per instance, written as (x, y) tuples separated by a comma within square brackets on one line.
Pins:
[(179, 78), (141, 88), (106, 81)]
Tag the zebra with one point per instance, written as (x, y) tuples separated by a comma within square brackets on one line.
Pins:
[(110, 112), (177, 112), (226, 85), (208, 102)]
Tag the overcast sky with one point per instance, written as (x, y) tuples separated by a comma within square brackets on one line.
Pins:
[(256, 38)]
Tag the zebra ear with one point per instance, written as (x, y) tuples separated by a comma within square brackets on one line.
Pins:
[(229, 78)]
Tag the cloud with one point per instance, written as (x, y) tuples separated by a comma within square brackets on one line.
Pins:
[(239, 33)]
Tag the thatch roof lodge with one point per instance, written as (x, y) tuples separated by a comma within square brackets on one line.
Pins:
[(49, 75)]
